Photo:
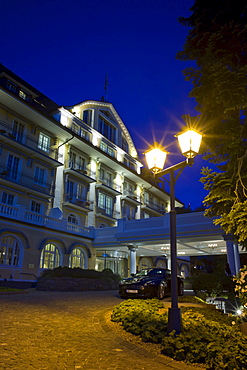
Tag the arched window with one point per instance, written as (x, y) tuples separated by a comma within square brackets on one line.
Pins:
[(9, 251), (72, 219), (77, 258), (50, 257)]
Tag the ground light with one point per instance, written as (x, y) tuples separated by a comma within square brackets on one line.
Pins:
[(189, 141)]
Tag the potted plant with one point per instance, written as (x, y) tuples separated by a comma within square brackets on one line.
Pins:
[(241, 292)]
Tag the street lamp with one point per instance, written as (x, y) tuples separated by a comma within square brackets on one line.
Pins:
[(189, 141)]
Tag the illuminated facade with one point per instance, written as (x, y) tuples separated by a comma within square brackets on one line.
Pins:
[(64, 172)]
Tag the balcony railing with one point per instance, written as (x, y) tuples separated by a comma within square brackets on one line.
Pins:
[(156, 207), (111, 184), (77, 166), (20, 213), (81, 202), (108, 212), (131, 195), (27, 140), (23, 179)]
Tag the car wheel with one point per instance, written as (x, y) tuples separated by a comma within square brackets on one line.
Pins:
[(161, 292)]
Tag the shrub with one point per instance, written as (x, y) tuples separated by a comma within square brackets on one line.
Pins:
[(213, 284), (77, 272), (208, 337)]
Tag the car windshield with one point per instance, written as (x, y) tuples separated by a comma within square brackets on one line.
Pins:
[(151, 272)]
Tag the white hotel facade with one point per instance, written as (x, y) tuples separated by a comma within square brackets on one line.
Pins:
[(70, 178)]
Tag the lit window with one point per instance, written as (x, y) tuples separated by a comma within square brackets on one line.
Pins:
[(50, 257), (9, 251), (24, 95), (77, 258), (105, 202), (44, 142)]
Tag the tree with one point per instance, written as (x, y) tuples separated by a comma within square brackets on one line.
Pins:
[(217, 43)]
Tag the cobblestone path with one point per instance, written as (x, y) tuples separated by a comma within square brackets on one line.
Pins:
[(67, 331)]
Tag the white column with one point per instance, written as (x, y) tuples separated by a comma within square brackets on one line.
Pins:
[(132, 250), (236, 255), (230, 253)]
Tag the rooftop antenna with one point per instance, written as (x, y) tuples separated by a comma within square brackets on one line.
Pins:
[(106, 87)]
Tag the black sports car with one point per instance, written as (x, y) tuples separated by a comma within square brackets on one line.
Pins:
[(150, 283)]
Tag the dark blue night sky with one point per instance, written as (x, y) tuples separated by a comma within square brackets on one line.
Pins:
[(65, 48)]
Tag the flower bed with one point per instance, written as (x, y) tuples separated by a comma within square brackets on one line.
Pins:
[(209, 337)]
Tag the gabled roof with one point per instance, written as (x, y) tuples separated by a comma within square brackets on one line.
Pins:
[(103, 104)]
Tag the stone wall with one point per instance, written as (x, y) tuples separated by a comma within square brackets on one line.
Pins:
[(67, 284)]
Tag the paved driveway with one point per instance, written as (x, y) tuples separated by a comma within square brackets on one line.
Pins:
[(58, 331)]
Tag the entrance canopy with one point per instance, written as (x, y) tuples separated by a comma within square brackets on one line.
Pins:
[(196, 236)]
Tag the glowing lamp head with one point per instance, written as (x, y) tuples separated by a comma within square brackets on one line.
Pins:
[(189, 142), (156, 157)]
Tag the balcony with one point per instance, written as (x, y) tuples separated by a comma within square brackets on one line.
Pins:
[(24, 180), (107, 213), (79, 203), (130, 197), (19, 213), (155, 208), (108, 185), (30, 143), (78, 170)]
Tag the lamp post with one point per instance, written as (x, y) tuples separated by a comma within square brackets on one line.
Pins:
[(189, 141)]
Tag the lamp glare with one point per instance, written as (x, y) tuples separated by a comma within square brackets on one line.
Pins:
[(189, 142)]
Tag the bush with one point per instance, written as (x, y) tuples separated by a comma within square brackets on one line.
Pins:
[(77, 272), (208, 337), (213, 284)]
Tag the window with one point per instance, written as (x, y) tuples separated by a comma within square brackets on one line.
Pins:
[(8, 198), (106, 129), (81, 163), (24, 95), (44, 142), (72, 219), (77, 258), (35, 207), (80, 192), (11, 86), (106, 177), (128, 188), (146, 215), (9, 251), (72, 160), (129, 212), (105, 202), (50, 257), (70, 189), (13, 167), (40, 176), (74, 127), (107, 149), (125, 146), (146, 198), (87, 116), (18, 131)]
